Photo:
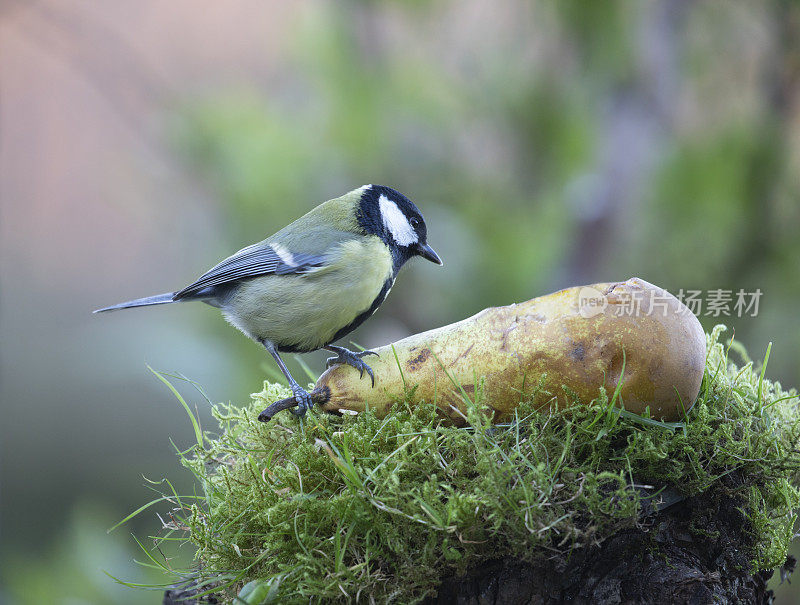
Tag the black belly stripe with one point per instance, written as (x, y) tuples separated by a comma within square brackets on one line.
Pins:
[(360, 319)]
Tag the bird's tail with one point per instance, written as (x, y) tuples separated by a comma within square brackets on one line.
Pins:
[(158, 299)]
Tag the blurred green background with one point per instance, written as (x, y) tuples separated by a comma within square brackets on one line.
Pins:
[(548, 144)]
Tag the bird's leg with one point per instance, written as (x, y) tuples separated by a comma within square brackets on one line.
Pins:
[(301, 396), (351, 358)]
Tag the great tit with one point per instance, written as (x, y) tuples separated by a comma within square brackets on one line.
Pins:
[(316, 280)]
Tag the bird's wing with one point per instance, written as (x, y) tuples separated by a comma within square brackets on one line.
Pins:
[(259, 259)]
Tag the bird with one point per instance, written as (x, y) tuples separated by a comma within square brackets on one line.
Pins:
[(314, 281)]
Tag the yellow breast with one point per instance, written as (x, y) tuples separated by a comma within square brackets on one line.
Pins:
[(305, 312)]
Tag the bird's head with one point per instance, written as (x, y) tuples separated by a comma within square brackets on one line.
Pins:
[(397, 221)]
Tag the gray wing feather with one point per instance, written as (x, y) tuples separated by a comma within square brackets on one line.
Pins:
[(255, 260)]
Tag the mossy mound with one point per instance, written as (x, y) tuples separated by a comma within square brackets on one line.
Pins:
[(353, 507)]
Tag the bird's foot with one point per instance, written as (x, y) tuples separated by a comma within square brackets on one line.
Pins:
[(303, 399), (353, 359)]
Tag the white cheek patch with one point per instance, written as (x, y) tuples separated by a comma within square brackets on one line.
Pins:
[(285, 256), (396, 222)]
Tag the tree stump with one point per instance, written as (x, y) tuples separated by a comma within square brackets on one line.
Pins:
[(660, 561)]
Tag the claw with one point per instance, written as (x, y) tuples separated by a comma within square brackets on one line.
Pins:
[(352, 359), (303, 400)]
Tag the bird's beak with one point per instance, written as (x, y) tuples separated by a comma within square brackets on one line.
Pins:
[(425, 251)]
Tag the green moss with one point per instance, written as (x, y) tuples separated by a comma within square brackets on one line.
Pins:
[(335, 507)]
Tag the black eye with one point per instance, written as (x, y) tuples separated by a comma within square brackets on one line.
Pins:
[(414, 222)]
